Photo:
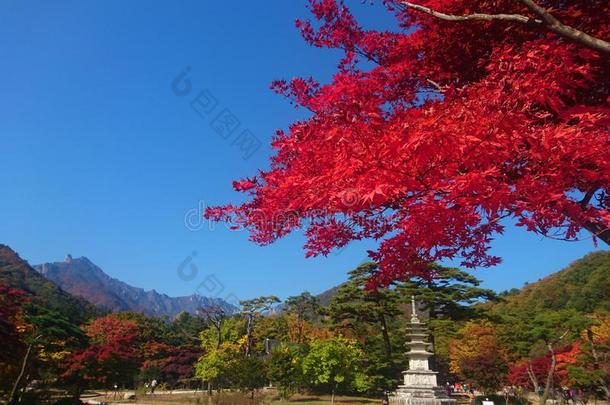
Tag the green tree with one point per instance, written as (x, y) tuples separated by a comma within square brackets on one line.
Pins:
[(217, 366), (333, 364), (51, 339), (369, 313), (249, 373), (355, 304), (284, 369), (448, 294), (232, 329)]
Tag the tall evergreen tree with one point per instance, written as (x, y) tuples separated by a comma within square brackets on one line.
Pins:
[(369, 313)]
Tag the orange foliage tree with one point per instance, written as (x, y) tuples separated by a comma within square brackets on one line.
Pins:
[(477, 356)]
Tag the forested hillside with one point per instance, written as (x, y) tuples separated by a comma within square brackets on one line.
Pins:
[(583, 286), (17, 273)]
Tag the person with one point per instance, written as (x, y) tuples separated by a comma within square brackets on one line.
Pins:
[(471, 395), (153, 385)]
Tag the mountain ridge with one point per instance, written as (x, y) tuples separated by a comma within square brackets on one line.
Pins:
[(83, 278)]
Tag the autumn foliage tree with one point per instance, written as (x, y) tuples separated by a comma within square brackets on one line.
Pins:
[(474, 114), (478, 358), (11, 301), (532, 373), (168, 363), (112, 356)]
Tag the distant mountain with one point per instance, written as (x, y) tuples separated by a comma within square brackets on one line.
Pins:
[(325, 297), (17, 273), (83, 278)]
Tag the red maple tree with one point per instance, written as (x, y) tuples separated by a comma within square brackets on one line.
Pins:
[(430, 139), (171, 363), (531, 373), (113, 354), (11, 300)]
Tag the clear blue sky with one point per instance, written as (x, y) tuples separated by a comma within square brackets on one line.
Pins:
[(100, 159)]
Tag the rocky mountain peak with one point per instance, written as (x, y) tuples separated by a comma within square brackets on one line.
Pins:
[(81, 277)]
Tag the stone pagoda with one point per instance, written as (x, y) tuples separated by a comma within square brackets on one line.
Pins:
[(420, 386)]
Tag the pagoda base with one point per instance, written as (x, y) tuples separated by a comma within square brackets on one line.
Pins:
[(420, 396), (420, 389), (398, 399)]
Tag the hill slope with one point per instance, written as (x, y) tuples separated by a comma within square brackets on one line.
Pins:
[(83, 278), (16, 272), (583, 286)]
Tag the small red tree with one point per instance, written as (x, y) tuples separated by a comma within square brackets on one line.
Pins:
[(475, 111), (168, 363), (11, 300), (113, 354), (10, 307), (533, 373)]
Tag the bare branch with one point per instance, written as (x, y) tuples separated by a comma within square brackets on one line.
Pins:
[(545, 20)]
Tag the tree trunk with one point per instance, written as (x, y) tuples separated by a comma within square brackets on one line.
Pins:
[(249, 336), (549, 377), (13, 398), (386, 336), (218, 335), (532, 377)]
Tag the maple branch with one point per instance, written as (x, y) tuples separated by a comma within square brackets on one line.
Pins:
[(599, 230), (474, 16), (546, 20)]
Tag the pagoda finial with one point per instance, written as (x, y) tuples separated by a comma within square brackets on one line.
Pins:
[(414, 318)]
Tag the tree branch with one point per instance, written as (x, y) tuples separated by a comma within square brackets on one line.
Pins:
[(600, 231), (475, 16), (545, 20), (554, 25), (587, 198), (436, 85)]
